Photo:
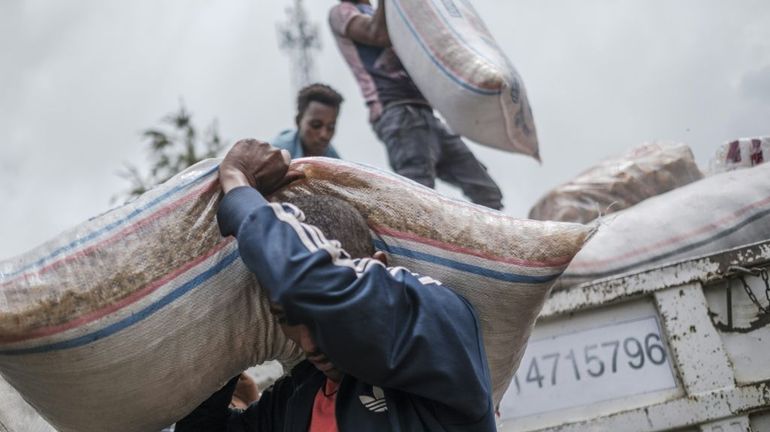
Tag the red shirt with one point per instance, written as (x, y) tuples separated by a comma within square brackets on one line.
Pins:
[(323, 418)]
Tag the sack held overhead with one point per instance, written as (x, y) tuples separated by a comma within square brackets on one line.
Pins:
[(454, 60)]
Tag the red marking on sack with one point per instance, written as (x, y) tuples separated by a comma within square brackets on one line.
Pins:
[(133, 298), (756, 152), (734, 152), (555, 262)]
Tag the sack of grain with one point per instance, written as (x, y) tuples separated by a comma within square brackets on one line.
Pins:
[(741, 153), (619, 183), (717, 213), (16, 415), (141, 313), (503, 266), (130, 320), (455, 61)]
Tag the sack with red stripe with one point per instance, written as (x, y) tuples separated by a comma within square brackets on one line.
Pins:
[(462, 71), (717, 213), (741, 153), (132, 319)]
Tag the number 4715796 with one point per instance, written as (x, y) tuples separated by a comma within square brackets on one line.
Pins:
[(596, 360)]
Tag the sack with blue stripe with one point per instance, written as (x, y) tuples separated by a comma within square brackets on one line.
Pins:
[(130, 320), (455, 61)]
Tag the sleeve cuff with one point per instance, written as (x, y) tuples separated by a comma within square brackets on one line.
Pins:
[(236, 206)]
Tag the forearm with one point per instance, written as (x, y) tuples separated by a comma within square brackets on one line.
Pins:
[(379, 26), (386, 315)]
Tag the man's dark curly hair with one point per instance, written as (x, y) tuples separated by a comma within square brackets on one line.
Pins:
[(320, 93), (339, 221)]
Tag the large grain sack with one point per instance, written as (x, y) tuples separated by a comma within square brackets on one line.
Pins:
[(619, 183), (716, 213), (455, 61), (16, 415), (741, 153), (141, 313), (130, 320)]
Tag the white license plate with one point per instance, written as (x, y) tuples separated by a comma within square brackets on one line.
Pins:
[(589, 366)]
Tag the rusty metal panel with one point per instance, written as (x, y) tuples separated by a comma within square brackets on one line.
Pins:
[(696, 347), (742, 323), (717, 336), (735, 424), (626, 287)]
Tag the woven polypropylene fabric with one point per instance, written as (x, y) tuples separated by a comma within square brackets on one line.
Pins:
[(454, 60), (720, 212), (619, 183), (16, 415), (140, 314), (133, 318), (502, 265)]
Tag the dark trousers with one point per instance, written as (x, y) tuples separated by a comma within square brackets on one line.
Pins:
[(421, 147)]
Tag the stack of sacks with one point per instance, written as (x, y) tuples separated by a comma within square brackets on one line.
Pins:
[(143, 312), (619, 183), (719, 212), (741, 153), (454, 60)]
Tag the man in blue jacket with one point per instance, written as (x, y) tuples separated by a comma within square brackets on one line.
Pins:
[(386, 349), (318, 106)]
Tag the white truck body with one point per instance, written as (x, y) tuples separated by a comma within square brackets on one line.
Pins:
[(680, 347)]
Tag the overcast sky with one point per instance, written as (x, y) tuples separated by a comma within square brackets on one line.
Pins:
[(80, 79)]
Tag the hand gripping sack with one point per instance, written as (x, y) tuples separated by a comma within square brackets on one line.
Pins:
[(141, 313), (455, 61), (720, 212), (619, 183)]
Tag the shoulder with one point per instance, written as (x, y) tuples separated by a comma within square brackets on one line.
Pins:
[(341, 15)]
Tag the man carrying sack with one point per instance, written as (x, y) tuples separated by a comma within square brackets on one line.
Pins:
[(386, 350)]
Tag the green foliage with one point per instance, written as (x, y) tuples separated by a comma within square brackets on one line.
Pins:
[(173, 146)]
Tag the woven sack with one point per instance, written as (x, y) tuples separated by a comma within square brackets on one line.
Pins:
[(16, 415), (619, 183), (740, 153), (454, 60), (131, 319), (141, 313), (719, 212), (503, 266)]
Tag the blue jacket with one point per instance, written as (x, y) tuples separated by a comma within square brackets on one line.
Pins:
[(289, 140), (396, 335)]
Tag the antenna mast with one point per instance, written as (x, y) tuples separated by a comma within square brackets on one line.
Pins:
[(299, 38)]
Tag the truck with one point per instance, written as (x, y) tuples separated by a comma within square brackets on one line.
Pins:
[(681, 347)]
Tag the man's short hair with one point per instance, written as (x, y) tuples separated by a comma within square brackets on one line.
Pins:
[(321, 93), (339, 221)]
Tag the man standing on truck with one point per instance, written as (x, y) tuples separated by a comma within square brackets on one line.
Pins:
[(318, 107), (386, 350), (419, 145)]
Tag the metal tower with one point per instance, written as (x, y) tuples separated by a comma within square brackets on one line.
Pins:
[(299, 37)]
